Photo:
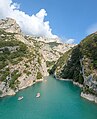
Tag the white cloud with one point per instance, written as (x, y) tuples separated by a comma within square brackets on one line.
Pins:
[(31, 25), (92, 29), (70, 41)]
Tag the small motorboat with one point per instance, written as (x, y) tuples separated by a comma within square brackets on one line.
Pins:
[(38, 95), (45, 80), (20, 98)]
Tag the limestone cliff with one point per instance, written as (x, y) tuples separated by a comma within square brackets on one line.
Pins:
[(24, 60)]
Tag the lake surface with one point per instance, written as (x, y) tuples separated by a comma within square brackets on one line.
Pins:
[(59, 100)]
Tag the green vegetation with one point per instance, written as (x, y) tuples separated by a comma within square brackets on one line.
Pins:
[(69, 65), (0, 92), (14, 82), (73, 67), (88, 90), (11, 50), (49, 63), (26, 65), (89, 49), (53, 44), (27, 72), (4, 74), (7, 57), (16, 60), (60, 63), (39, 75), (13, 58), (39, 60)]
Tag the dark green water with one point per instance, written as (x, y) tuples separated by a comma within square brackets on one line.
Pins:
[(59, 100)]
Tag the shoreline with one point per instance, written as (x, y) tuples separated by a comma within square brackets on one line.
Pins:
[(89, 97), (74, 83), (12, 92)]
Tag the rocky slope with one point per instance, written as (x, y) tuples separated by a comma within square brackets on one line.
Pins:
[(80, 65), (24, 60)]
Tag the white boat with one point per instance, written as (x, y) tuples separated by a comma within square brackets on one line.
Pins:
[(20, 98), (38, 95)]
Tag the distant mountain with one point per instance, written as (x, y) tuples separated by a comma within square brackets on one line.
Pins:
[(45, 39), (25, 60), (80, 65)]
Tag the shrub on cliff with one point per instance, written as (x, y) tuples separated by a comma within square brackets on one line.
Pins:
[(39, 75)]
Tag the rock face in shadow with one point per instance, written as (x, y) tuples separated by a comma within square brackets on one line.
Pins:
[(80, 65)]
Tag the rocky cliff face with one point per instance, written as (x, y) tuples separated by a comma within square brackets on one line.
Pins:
[(24, 60), (10, 25), (80, 65)]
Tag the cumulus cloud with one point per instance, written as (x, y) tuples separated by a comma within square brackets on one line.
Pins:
[(92, 29), (70, 41), (31, 25)]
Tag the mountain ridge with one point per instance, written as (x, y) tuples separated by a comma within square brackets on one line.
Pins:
[(80, 65), (23, 59)]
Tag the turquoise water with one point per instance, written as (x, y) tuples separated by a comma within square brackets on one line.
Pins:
[(59, 100)]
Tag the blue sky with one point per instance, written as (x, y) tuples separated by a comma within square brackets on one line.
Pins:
[(68, 18)]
